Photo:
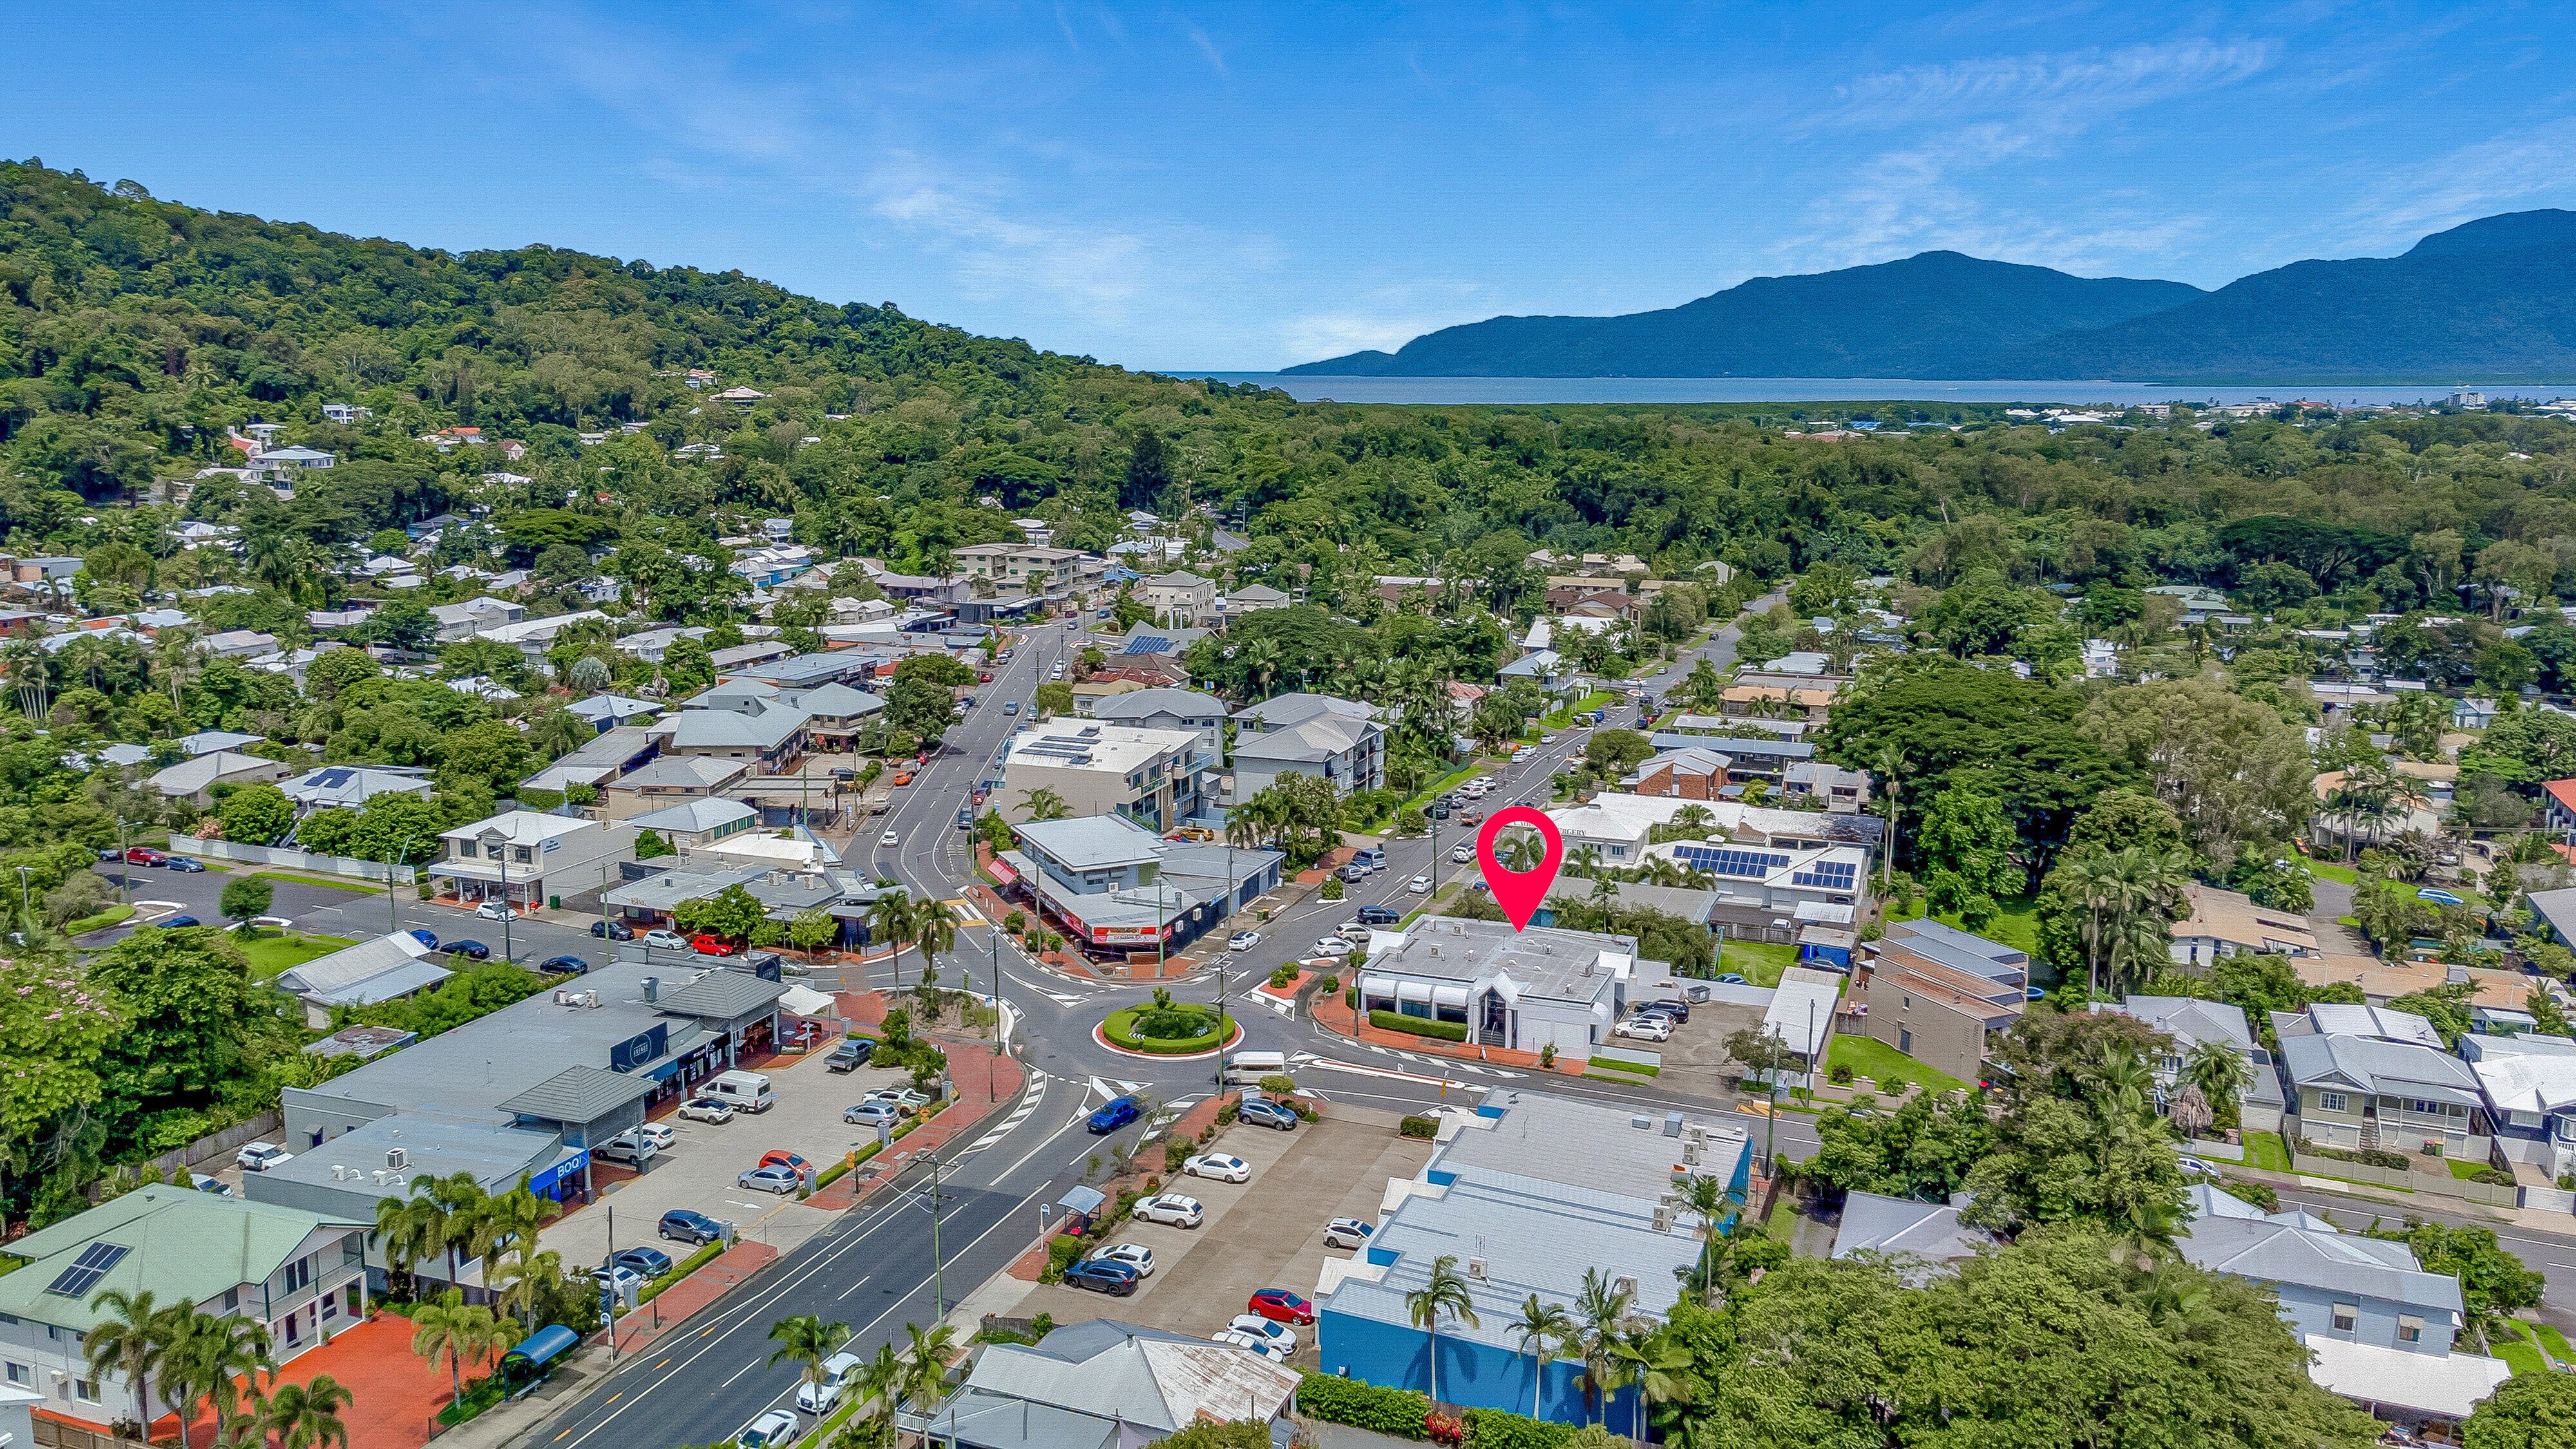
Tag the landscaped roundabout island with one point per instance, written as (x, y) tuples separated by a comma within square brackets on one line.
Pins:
[(1163, 1027)]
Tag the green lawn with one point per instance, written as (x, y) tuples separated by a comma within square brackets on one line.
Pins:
[(1878, 1061), (100, 922), (2553, 1340), (1784, 1217), (271, 954), (2329, 870), (2016, 923), (2464, 1170), (1596, 700), (2264, 1150), (2524, 1358), (1760, 962)]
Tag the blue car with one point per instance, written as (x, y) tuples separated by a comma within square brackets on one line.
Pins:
[(1114, 1116), (1102, 1275), (470, 950), (426, 938), (680, 1225), (184, 866), (175, 922), (651, 1262)]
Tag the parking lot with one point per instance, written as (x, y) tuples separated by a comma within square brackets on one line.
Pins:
[(1695, 1059), (1267, 1233), (700, 1169)]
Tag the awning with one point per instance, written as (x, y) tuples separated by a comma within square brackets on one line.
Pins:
[(1002, 872), (1449, 996), (542, 1346), (1081, 1199), (806, 1001)]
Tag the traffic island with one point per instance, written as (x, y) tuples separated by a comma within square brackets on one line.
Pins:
[(1168, 1030)]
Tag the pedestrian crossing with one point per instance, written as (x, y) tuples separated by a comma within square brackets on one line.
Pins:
[(966, 913), (1442, 1063), (1019, 1114)]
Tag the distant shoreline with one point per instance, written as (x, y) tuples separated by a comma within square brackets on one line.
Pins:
[(1506, 391)]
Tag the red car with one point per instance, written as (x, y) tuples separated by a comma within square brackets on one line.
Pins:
[(781, 1157), (1282, 1306), (711, 946), (139, 856), (984, 676)]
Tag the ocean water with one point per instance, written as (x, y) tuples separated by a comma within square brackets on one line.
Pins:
[(1464, 390)]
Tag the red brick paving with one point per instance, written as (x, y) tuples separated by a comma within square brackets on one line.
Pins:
[(677, 1302), (395, 1394)]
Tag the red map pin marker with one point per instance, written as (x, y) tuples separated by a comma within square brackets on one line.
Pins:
[(1519, 892)]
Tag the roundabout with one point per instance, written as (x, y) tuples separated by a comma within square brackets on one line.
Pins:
[(1168, 1031)]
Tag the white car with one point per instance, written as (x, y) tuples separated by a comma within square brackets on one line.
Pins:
[(1134, 1255), (666, 940), (2194, 1167), (1171, 1208), (1332, 946), (1645, 1028), (1523, 753), (624, 1281), (1250, 1344), (1347, 1233), (1461, 854), (658, 1134), (889, 840), (1223, 1166), (1420, 885), (492, 911), (838, 1370), (1243, 940), (707, 1109), (261, 1156), (769, 1431), (1264, 1329)]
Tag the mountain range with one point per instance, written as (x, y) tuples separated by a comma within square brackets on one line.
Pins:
[(2489, 300)]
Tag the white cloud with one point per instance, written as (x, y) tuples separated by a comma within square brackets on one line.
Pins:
[(2044, 90), (2507, 173)]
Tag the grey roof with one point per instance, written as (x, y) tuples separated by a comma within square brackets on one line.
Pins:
[(1146, 1378), (579, 1094), (981, 1420), (206, 742), (1899, 1227), (1308, 741), (190, 776), (2189, 1020), (1138, 704), (127, 755), (1557, 965), (726, 729), (839, 701), (2367, 1064), (694, 815), (1282, 710), (494, 1153), (721, 995), (1994, 959), (1693, 906), (2279, 1252), (614, 708), (387, 967), (1091, 842), (2346, 1018), (681, 772), (347, 786), (1770, 749)]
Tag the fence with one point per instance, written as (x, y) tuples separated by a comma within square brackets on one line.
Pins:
[(366, 870), (54, 1433), (213, 1145), (2490, 1194)]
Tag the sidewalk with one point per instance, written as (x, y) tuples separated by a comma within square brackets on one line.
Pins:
[(1331, 1012)]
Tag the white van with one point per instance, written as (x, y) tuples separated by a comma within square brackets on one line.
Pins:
[(1251, 1067), (747, 1091)]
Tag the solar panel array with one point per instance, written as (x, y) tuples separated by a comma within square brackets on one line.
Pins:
[(1150, 644), (1721, 860), (1833, 875), (85, 1271)]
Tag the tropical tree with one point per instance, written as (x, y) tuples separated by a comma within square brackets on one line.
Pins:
[(457, 1201), (1602, 1307), (1542, 1329), (1042, 803), (1443, 1295), (806, 1339), (407, 1229), (1889, 765), (1657, 1363), (894, 920), (132, 1337), (925, 1376), (1709, 1200), (558, 732), (2219, 1070), (209, 1358), (526, 1280), (934, 930), (306, 1416), (881, 1383), (459, 1332), (510, 1221)]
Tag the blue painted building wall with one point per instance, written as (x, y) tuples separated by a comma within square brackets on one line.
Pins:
[(1472, 1375)]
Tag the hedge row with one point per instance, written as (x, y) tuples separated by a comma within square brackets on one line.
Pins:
[(1417, 1026), (1116, 1029), (1402, 1413)]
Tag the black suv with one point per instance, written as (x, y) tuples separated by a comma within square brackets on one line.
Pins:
[(1378, 916)]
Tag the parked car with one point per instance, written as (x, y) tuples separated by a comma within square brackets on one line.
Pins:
[(2194, 1167), (707, 1109), (185, 866), (1171, 1208), (711, 945), (625, 1147), (612, 930), (1011, 706), (852, 1053), (770, 1431), (665, 941), (1672, 1006), (1103, 1275), (659, 1134), (492, 911), (873, 1114), (261, 1156), (1330, 946), (1262, 1328), (680, 1225), (1134, 1255), (779, 1180), (1419, 885), (137, 855), (1378, 916), (1645, 1028), (426, 938), (1249, 1344), (470, 950), (901, 1098), (1223, 1166), (1262, 1112), (1347, 1233), (564, 965), (215, 1185), (1731, 978), (1281, 1306), (781, 1157), (1243, 940), (621, 1278), (838, 1372), (174, 923), (1115, 1115)]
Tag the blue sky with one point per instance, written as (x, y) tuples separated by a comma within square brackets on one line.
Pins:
[(1238, 187)]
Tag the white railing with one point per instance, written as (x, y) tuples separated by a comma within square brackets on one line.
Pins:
[(367, 870)]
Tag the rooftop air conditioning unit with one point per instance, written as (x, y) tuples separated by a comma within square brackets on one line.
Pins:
[(1625, 1285), (397, 1158), (563, 998), (338, 1172), (1690, 1152), (1663, 1217), (1476, 1269)]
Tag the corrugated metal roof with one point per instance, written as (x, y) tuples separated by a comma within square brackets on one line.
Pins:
[(579, 1094), (721, 995)]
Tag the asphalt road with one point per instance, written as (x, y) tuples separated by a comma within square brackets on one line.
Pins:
[(355, 912)]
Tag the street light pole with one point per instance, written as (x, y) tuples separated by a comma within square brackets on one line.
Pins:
[(938, 1263), (506, 912), (393, 918)]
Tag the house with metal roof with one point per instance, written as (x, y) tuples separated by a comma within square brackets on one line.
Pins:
[(599, 763), (346, 787), (1525, 990), (1156, 778), (2191, 1022), (2529, 1083), (1103, 1384), (1527, 1194), (195, 780), (2359, 1091), (1162, 709), (1117, 887), (765, 735), (694, 823), (1345, 747), (607, 711), (2334, 1285), (388, 968), (1925, 1237), (296, 1274), (529, 858)]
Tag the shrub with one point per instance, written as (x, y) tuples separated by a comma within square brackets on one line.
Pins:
[(2258, 1193), (1061, 1251), (1547, 1057), (1015, 922), (1419, 1127), (1123, 1028), (1441, 1429), (1283, 978), (1501, 1429), (1399, 1412), (1416, 1026), (1332, 888), (1840, 1074), (1329, 984), (1174, 1154), (2492, 1177)]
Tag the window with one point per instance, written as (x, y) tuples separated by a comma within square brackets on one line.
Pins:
[(2347, 1317), (2410, 1329), (19, 1373), (299, 1274), (86, 1390), (1905, 1040), (2331, 1102), (232, 1299)]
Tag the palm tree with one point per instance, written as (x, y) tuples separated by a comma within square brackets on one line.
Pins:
[(132, 1337), (1043, 804), (1654, 1362), (925, 1376), (1260, 666), (1444, 1293), (891, 920), (1695, 819), (882, 1381), (207, 1357), (934, 930), (407, 1229), (1603, 1308), (510, 1221), (306, 1416), (524, 1279), (457, 1331), (1543, 1328), (2219, 1072), (1520, 851), (1707, 1197), (455, 1201), (558, 732), (1889, 762), (808, 1340)]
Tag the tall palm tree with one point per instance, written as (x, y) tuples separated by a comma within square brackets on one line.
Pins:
[(306, 1416), (806, 1339), (558, 732), (1694, 818), (1888, 764), (1542, 1328), (209, 1357), (458, 1331), (891, 920), (510, 1222), (925, 1377), (1654, 1361), (881, 1381), (1443, 1294), (2219, 1072), (524, 1279), (456, 1200), (1708, 1198), (934, 930), (1603, 1308), (132, 1337), (407, 1230), (1043, 804)]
